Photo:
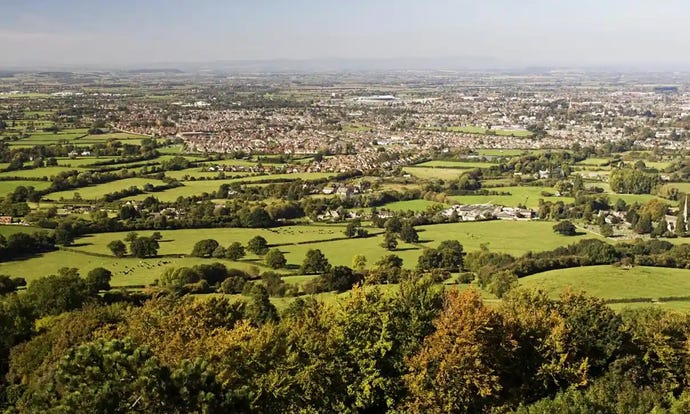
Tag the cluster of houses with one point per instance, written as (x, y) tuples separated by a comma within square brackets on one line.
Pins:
[(75, 154), (344, 191), (501, 112), (476, 212)]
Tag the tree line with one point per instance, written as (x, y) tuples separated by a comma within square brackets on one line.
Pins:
[(420, 349)]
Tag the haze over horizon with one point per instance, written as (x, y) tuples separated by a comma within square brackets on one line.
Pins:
[(497, 33)]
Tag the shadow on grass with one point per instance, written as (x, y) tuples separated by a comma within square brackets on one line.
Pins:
[(24, 257), (405, 249)]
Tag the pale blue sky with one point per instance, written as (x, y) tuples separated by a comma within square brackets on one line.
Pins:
[(524, 32)]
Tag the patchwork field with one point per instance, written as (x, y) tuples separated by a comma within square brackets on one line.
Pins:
[(198, 187)]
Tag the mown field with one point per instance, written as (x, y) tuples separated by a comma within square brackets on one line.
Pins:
[(610, 282)]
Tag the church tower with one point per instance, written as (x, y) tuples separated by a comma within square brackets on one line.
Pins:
[(685, 212)]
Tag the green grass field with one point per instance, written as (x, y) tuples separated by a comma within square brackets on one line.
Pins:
[(675, 305), (527, 195), (499, 182), (514, 237), (682, 187), (126, 271), (45, 138), (6, 230), (182, 241), (471, 129), (198, 187), (35, 122), (172, 149), (659, 165), (430, 173), (37, 172), (611, 282), (7, 187), (96, 192), (197, 173), (628, 198), (501, 152), (456, 164), (594, 161), (121, 136), (245, 163), (414, 205), (81, 161)]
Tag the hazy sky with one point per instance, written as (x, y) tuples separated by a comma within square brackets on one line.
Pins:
[(523, 32)]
